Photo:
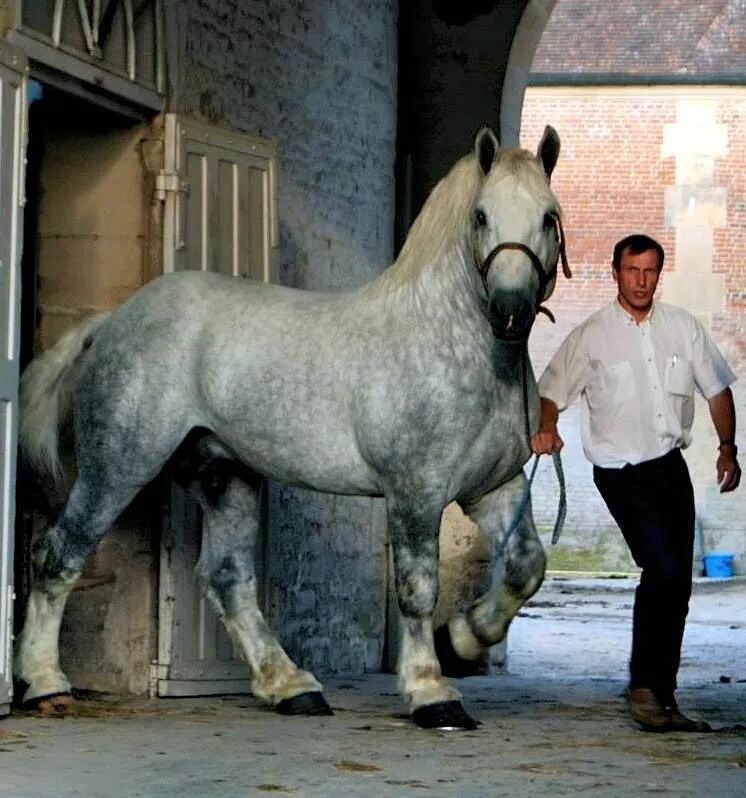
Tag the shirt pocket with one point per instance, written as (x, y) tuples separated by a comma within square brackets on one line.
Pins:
[(679, 376), (611, 385)]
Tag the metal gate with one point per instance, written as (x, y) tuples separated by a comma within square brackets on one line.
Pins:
[(220, 214), (12, 153)]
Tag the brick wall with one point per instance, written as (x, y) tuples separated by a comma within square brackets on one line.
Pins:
[(615, 176)]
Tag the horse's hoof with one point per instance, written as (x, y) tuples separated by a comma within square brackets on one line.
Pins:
[(445, 715), (451, 664), (56, 705), (312, 703)]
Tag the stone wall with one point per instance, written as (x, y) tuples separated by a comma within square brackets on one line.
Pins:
[(319, 78)]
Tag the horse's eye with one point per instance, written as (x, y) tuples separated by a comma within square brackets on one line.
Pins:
[(480, 218), (549, 222)]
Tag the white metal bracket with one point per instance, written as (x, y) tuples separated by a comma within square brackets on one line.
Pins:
[(169, 182)]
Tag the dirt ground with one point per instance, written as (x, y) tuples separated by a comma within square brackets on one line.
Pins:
[(555, 725)]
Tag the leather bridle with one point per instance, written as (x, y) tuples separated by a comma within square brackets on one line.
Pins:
[(545, 277)]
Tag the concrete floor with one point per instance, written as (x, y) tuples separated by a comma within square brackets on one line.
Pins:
[(556, 725)]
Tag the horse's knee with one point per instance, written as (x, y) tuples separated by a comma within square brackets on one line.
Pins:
[(463, 641), (418, 593), (523, 572), (417, 578)]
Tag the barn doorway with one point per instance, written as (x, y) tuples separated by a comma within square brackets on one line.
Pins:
[(113, 200), (84, 251)]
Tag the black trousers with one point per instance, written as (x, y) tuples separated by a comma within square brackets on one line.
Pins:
[(653, 503)]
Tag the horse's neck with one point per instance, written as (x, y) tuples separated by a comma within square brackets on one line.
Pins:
[(512, 364), (516, 387), (435, 262), (438, 295)]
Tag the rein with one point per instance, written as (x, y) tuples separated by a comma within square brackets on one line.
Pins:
[(556, 459)]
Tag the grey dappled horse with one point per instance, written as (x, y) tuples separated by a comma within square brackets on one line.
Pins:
[(416, 387)]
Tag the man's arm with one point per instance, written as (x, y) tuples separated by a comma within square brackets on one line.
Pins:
[(723, 413), (547, 440)]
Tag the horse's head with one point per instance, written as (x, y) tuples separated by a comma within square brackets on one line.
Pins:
[(516, 232)]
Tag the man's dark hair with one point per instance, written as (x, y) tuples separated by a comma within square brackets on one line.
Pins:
[(636, 244)]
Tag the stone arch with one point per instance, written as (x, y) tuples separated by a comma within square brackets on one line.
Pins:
[(526, 40)]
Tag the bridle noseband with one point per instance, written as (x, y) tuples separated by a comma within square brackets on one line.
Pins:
[(545, 277)]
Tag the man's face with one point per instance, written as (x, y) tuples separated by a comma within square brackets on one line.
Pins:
[(637, 279)]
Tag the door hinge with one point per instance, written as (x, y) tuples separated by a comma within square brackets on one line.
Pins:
[(166, 182)]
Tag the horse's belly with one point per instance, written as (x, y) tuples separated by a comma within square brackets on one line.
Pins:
[(312, 459)]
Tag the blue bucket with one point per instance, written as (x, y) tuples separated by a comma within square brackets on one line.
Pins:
[(718, 565)]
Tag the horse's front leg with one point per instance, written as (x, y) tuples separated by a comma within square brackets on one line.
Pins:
[(517, 571), (432, 702)]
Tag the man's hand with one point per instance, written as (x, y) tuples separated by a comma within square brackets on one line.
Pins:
[(546, 442), (723, 413), (727, 469)]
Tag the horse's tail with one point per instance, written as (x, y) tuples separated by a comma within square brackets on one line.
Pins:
[(45, 394)]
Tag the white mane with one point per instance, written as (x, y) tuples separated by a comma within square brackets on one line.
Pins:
[(444, 223)]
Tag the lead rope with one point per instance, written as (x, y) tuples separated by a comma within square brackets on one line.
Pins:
[(556, 459), (562, 504)]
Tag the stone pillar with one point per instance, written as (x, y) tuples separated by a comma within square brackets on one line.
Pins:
[(695, 207)]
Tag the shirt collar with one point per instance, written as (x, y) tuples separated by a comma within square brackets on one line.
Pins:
[(626, 317)]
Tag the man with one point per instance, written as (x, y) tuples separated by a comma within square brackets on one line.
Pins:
[(635, 365)]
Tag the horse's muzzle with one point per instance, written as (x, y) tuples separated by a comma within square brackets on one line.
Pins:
[(511, 317)]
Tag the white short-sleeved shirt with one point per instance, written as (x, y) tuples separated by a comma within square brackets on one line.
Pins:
[(636, 381)]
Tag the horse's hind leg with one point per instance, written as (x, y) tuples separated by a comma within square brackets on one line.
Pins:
[(61, 552), (517, 572), (229, 496)]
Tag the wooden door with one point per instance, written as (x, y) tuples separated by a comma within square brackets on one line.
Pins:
[(219, 191)]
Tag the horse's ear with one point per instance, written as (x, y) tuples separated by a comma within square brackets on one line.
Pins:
[(549, 149), (486, 146)]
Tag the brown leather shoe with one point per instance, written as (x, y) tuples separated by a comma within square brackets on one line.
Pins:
[(677, 721), (647, 710)]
